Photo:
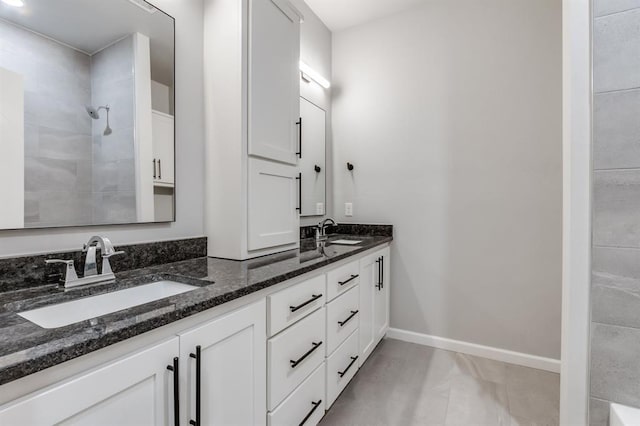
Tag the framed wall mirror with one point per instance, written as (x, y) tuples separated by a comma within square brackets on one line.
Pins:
[(86, 113), (313, 161)]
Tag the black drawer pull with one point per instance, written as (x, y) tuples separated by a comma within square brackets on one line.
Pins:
[(315, 405), (353, 277), (176, 391), (353, 314), (198, 357), (342, 373), (294, 364), (314, 297)]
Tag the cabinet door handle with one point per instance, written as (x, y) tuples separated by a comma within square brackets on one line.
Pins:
[(353, 360), (382, 271), (315, 405), (299, 124), (176, 390), (299, 179), (314, 297), (198, 357), (154, 168), (159, 169), (378, 284), (353, 314), (294, 364), (353, 277)]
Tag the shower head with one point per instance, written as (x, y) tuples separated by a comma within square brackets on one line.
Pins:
[(93, 112)]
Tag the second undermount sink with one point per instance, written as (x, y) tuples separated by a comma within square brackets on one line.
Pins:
[(66, 313), (346, 242)]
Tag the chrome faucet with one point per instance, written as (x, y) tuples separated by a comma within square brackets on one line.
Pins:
[(321, 230), (91, 275)]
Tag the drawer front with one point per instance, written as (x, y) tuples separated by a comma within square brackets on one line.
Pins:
[(294, 303), (341, 367), (294, 354), (342, 279), (342, 318), (306, 403)]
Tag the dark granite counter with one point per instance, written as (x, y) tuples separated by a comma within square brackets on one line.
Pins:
[(26, 348)]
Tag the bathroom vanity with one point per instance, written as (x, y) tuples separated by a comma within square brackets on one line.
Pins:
[(271, 340)]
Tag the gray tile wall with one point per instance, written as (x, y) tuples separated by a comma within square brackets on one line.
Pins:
[(112, 83), (57, 130), (615, 298)]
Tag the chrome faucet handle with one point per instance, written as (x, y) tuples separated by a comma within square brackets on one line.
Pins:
[(106, 266), (70, 274)]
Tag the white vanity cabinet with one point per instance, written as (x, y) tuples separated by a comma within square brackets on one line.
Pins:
[(252, 111), (374, 300), (226, 360), (134, 390)]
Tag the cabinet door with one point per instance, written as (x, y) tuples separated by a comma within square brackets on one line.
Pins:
[(274, 82), (232, 369), (381, 291), (368, 289), (374, 300), (163, 149), (135, 390), (273, 202)]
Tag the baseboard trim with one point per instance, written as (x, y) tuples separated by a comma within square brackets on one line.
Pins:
[(504, 355)]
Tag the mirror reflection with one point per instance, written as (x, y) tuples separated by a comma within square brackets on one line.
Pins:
[(86, 113), (312, 163)]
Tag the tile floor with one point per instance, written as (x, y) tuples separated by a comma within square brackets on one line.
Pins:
[(406, 384)]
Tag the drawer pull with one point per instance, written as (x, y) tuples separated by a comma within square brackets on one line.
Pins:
[(315, 405), (342, 373), (314, 297), (198, 357), (294, 364), (176, 390), (353, 277), (353, 314)]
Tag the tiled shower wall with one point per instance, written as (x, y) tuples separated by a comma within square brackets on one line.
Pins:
[(57, 129), (112, 83), (615, 299)]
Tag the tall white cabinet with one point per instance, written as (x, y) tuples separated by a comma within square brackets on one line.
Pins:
[(252, 136)]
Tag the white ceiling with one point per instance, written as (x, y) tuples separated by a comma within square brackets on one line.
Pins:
[(91, 25), (341, 14)]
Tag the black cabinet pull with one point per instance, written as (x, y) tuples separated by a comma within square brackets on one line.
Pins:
[(315, 405), (198, 357), (154, 168), (382, 271), (299, 179), (176, 391), (353, 314), (353, 360), (353, 277), (294, 364), (379, 283), (314, 297), (299, 124), (159, 169)]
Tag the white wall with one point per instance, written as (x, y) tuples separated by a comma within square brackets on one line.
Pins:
[(189, 155), (315, 51), (451, 114)]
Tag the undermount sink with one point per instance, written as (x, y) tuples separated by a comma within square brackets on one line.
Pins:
[(346, 242), (66, 313)]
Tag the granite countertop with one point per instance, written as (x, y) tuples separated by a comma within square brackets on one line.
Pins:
[(26, 348)]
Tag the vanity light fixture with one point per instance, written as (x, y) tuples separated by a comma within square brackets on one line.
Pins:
[(309, 74), (14, 3)]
